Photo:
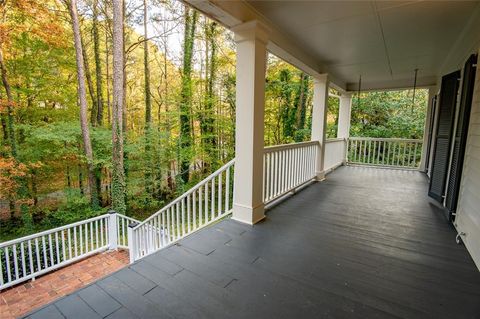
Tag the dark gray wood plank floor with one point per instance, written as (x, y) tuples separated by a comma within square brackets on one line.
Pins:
[(365, 243)]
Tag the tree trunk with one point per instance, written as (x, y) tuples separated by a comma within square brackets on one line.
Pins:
[(301, 108), (4, 130), (107, 65), (82, 95), (98, 77), (118, 178), (98, 64), (10, 126), (208, 123), (148, 104), (34, 188), (10, 118), (88, 77), (124, 82), (80, 179), (186, 94)]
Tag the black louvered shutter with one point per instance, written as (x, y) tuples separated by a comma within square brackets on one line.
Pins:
[(447, 103), (460, 141), (433, 105)]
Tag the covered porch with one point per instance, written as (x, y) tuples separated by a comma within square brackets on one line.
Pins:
[(365, 243), (295, 230)]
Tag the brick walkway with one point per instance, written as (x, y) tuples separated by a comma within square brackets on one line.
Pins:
[(21, 299)]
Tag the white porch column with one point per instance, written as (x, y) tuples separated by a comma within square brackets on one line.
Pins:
[(426, 131), (344, 117), (319, 120), (251, 39)]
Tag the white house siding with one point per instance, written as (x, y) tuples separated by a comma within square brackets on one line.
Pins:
[(468, 212)]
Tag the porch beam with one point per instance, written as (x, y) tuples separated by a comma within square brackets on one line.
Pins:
[(393, 85), (319, 120), (251, 39)]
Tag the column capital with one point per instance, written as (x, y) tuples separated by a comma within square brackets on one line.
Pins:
[(320, 78), (251, 30), (347, 95)]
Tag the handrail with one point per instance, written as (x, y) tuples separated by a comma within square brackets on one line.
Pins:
[(187, 193), (381, 139), (335, 139), (274, 148)]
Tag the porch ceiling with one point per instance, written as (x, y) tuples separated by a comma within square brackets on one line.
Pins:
[(384, 41)]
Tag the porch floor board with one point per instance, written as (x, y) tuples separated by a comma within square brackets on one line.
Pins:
[(365, 243)]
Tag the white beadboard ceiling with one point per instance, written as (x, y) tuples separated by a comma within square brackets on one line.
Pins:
[(383, 41)]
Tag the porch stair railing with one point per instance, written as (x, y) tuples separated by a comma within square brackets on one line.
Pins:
[(208, 201), (386, 152), (28, 257)]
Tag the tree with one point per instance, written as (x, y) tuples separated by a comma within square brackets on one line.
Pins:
[(207, 119), (88, 77), (82, 97), (9, 106), (300, 99), (98, 64), (118, 173), (148, 103), (186, 94)]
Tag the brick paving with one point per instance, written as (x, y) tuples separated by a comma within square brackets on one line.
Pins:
[(21, 299)]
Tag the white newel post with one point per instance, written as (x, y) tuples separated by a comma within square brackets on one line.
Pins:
[(319, 120), (132, 242), (251, 39), (423, 161), (112, 230), (344, 117)]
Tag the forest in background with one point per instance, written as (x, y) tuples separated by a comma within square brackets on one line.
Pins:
[(170, 100)]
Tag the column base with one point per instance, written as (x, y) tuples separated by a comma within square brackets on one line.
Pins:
[(320, 176), (248, 215)]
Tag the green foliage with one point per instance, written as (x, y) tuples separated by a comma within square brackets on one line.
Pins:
[(332, 116), (75, 208), (389, 114), (288, 105)]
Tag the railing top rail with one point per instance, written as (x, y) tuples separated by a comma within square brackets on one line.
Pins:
[(190, 191), (335, 139), (273, 148), (128, 218), (50, 231), (385, 139)]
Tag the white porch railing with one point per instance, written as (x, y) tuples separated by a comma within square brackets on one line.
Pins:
[(206, 202), (388, 152), (25, 258), (335, 153), (286, 167)]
